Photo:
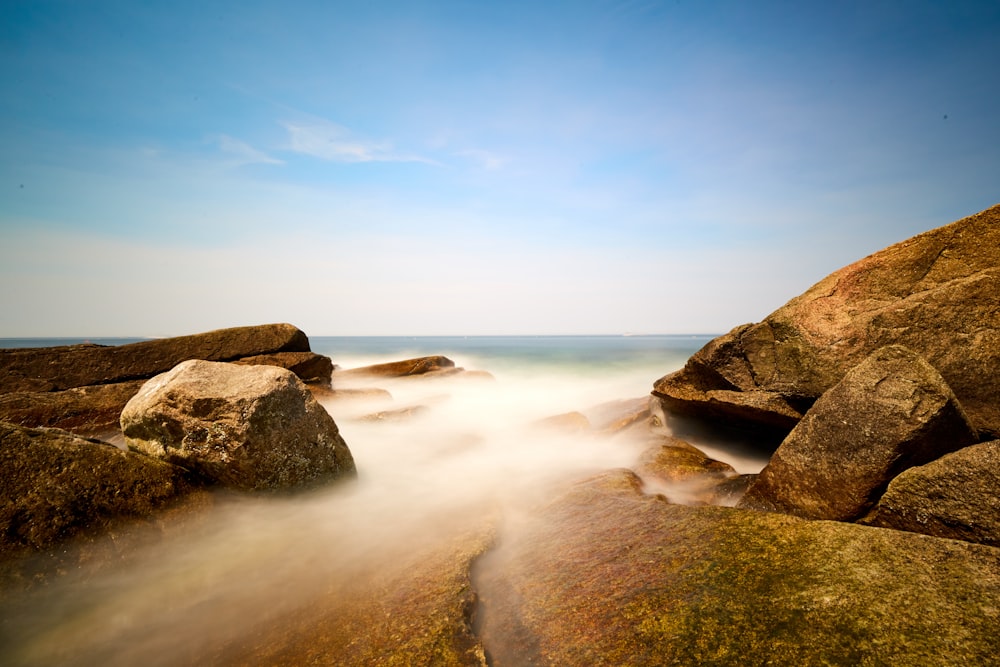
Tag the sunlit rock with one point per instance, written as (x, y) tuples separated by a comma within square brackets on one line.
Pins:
[(935, 293), (57, 368), (310, 367), (956, 496), (396, 369), (92, 408), (246, 427), (606, 575), (891, 412)]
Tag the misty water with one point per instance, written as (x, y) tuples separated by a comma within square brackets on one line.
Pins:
[(473, 449)]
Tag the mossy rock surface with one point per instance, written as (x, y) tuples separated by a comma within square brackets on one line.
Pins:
[(609, 576)]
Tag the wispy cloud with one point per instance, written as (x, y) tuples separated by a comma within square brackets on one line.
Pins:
[(329, 141), (243, 153)]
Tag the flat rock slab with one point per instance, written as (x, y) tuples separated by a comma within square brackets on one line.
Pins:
[(65, 367), (396, 369), (606, 575), (80, 409)]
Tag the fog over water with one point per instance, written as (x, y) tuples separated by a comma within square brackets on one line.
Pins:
[(473, 450)]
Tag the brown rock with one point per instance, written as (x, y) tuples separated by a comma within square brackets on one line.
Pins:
[(246, 427), (608, 576), (65, 367), (956, 496), (418, 366), (91, 408), (935, 293), (891, 412), (568, 422), (308, 366), (55, 485), (684, 474)]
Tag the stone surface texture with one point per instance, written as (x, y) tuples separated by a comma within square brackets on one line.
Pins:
[(606, 575), (956, 496), (935, 293), (891, 412), (246, 427)]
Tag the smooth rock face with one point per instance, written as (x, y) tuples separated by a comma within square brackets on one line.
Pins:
[(935, 293), (956, 496), (246, 427), (55, 484), (608, 576), (65, 367), (891, 412)]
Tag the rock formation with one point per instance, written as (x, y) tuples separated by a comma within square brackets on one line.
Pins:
[(935, 293), (891, 412), (246, 427), (956, 496), (55, 485), (85, 387), (606, 575)]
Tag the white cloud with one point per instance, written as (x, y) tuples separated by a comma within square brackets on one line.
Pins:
[(243, 153), (329, 141)]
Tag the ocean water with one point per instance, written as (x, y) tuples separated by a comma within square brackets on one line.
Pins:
[(432, 454)]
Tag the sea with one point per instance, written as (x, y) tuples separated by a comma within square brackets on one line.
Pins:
[(431, 454)]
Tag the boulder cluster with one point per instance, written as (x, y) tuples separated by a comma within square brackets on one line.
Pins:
[(228, 408)]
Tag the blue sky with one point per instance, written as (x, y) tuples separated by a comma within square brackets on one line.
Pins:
[(420, 168)]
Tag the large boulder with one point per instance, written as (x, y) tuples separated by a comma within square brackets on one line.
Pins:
[(606, 575), (935, 293), (956, 496), (68, 366), (56, 485), (891, 412), (246, 427)]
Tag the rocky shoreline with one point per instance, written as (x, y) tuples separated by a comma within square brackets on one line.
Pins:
[(871, 537)]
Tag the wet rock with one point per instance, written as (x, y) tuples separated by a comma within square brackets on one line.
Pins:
[(310, 367), (416, 608), (56, 485), (605, 575), (79, 409), (682, 472), (65, 367), (891, 412), (956, 496), (395, 369), (568, 422), (934, 293), (245, 427)]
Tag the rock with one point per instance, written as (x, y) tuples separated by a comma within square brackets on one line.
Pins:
[(80, 409), (956, 496), (568, 422), (65, 367), (414, 608), (56, 485), (682, 472), (396, 415), (608, 576), (891, 412), (934, 293), (310, 367), (246, 427), (395, 369)]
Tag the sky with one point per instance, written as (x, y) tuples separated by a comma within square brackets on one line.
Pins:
[(466, 168)]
